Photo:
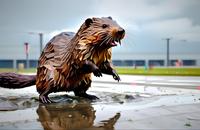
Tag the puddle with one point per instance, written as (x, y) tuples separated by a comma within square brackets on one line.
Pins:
[(74, 113), (20, 108)]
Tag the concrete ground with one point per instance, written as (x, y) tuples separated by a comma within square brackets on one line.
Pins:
[(136, 102)]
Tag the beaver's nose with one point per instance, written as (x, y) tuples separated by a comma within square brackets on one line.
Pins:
[(121, 31)]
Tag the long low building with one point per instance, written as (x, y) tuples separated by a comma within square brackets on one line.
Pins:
[(120, 59), (127, 59)]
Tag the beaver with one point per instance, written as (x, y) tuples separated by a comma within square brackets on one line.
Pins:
[(67, 62)]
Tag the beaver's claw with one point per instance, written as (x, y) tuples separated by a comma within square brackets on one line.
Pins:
[(97, 72), (116, 76)]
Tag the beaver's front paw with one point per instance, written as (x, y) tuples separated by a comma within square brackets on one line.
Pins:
[(116, 76), (97, 72)]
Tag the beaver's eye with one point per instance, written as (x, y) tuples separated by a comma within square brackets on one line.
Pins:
[(104, 25)]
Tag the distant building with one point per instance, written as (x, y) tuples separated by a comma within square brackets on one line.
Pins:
[(158, 60), (119, 59)]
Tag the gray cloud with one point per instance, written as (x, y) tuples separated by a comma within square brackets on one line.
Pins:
[(146, 22), (42, 15)]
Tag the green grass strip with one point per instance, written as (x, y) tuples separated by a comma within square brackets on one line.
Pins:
[(159, 71), (133, 71)]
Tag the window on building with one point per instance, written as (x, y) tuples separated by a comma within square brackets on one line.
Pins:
[(6, 63), (139, 62), (156, 62), (33, 63), (117, 62), (128, 63), (189, 62)]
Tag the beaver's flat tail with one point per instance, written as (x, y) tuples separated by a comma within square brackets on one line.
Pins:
[(15, 81)]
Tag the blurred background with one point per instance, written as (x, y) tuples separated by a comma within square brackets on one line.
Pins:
[(158, 33)]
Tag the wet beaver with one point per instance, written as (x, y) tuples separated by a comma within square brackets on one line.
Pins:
[(67, 62)]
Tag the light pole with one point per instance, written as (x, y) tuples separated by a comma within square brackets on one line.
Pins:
[(27, 54), (41, 42), (168, 55)]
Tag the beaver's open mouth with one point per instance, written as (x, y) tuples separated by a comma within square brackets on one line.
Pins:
[(115, 42)]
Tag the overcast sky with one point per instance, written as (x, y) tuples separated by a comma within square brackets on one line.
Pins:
[(146, 22)]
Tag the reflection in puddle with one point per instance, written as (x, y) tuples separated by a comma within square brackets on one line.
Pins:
[(72, 117)]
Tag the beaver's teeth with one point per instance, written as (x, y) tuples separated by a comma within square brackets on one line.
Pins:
[(114, 43)]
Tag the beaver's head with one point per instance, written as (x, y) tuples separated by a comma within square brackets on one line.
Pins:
[(101, 32)]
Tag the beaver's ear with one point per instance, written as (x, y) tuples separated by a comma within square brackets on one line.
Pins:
[(110, 17), (88, 22)]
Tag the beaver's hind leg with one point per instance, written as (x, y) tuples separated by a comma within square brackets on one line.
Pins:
[(82, 88), (45, 83), (47, 89), (43, 97)]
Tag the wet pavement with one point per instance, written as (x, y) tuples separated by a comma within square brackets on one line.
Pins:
[(137, 102)]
